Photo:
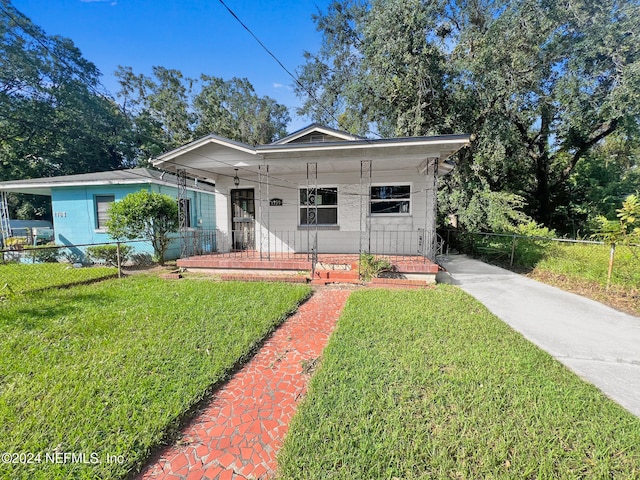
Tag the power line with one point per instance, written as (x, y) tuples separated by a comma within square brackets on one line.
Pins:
[(28, 30), (295, 79)]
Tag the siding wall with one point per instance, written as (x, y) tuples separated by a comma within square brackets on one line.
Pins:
[(391, 233), (74, 213)]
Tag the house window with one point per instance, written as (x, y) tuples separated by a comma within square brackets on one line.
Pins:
[(391, 200), (102, 203), (184, 206), (326, 201)]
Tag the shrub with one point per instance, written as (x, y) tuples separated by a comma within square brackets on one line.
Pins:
[(108, 254), (43, 253), (527, 252), (145, 215), (371, 266)]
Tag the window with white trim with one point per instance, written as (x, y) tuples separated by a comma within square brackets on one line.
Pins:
[(102, 203), (391, 200), (326, 200)]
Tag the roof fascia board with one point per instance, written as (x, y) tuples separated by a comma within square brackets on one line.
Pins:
[(316, 128), (225, 142), (93, 183), (461, 140)]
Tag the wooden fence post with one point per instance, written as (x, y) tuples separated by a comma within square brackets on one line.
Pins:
[(610, 271), (119, 260)]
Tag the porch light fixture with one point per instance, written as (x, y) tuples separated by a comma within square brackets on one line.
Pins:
[(236, 180)]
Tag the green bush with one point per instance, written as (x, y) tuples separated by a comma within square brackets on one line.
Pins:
[(108, 254), (527, 252), (43, 253), (371, 266)]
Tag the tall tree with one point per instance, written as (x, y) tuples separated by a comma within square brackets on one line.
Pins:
[(233, 109), (540, 83), (54, 119), (169, 110)]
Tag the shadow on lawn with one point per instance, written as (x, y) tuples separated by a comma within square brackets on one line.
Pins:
[(32, 315)]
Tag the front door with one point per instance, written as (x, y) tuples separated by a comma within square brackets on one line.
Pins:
[(243, 211)]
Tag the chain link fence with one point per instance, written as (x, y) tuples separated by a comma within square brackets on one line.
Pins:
[(591, 260), (131, 254)]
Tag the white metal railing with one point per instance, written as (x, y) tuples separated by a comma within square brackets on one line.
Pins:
[(5, 226), (289, 243)]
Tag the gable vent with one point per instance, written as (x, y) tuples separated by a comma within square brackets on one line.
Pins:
[(317, 138)]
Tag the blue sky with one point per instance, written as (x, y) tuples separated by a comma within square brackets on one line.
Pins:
[(189, 35)]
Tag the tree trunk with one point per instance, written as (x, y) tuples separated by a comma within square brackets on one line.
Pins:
[(543, 191)]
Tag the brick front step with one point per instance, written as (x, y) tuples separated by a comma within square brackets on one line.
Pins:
[(337, 274), (241, 277)]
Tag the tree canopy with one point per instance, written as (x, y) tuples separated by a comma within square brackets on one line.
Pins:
[(145, 215), (542, 84), (57, 119), (54, 117), (169, 110)]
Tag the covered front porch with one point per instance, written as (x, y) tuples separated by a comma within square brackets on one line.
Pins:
[(318, 192)]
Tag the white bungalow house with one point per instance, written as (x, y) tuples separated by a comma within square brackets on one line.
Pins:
[(322, 191)]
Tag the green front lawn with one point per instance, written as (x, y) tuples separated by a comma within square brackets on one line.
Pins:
[(108, 370), (429, 384), (16, 278)]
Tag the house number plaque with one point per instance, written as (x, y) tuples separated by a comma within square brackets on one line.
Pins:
[(275, 202)]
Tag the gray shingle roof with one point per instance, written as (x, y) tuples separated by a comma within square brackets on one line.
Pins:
[(129, 176)]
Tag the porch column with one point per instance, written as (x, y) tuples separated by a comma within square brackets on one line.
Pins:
[(312, 212), (365, 199), (265, 212), (5, 226), (431, 208), (181, 178)]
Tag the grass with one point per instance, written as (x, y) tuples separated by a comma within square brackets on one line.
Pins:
[(591, 262), (440, 388), (583, 269), (18, 278), (110, 369)]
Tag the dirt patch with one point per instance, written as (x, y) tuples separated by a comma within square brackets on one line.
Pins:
[(626, 300)]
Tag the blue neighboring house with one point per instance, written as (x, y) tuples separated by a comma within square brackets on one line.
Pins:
[(80, 202)]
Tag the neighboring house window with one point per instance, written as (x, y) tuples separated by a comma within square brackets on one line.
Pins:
[(184, 204), (326, 200), (102, 210), (391, 200)]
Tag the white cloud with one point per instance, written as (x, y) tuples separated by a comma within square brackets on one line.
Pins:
[(280, 85)]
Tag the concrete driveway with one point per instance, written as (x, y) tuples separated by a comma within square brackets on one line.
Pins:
[(600, 344)]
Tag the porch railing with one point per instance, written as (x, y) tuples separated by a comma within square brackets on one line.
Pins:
[(293, 243), (285, 243)]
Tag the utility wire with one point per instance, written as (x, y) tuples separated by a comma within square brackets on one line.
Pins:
[(295, 79), (28, 30)]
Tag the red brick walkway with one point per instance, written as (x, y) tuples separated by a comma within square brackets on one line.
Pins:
[(238, 435)]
